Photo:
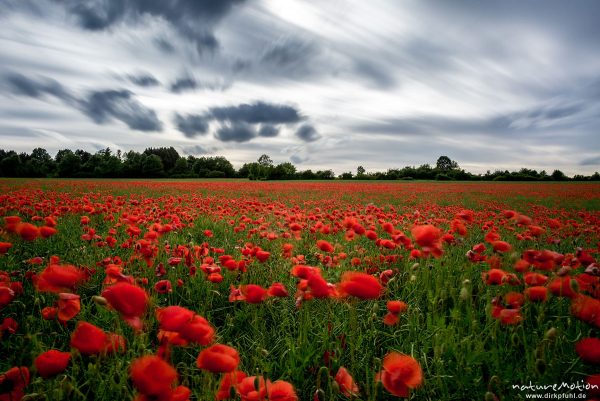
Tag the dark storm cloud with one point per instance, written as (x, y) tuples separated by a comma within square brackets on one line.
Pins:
[(104, 106), (191, 125), (144, 80), (307, 133), (184, 84), (259, 112), (268, 131), (236, 132), (192, 19)]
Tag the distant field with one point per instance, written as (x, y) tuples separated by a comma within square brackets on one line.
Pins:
[(497, 283)]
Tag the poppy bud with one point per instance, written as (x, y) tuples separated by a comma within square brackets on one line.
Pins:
[(100, 301), (264, 352), (515, 340), (335, 387), (413, 278), (257, 383), (318, 396), (574, 285), (464, 294), (323, 374), (489, 396), (414, 266), (550, 334)]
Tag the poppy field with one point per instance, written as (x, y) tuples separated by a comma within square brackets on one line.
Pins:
[(283, 291)]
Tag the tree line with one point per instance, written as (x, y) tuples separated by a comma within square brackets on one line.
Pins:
[(163, 162)]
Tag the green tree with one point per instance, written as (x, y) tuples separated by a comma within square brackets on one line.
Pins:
[(181, 168), (68, 163), (152, 166), (444, 164), (558, 175)]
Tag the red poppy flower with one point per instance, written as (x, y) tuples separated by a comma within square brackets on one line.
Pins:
[(400, 374), (325, 246), (277, 290), (198, 331), (47, 232), (360, 285), (537, 294), (4, 247), (254, 294), (6, 295), (163, 287), (173, 318), (59, 278), (249, 392), (153, 377), (501, 246), (262, 256), (588, 350), (391, 319), (229, 380), (51, 363), (281, 391), (586, 308), (8, 325), (88, 339), (28, 231), (426, 235), (347, 385), (127, 299), (12, 383), (396, 307), (69, 306), (218, 358), (319, 288)]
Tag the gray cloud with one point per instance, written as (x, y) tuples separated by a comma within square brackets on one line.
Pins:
[(591, 161), (259, 112), (236, 132), (100, 106), (291, 56), (380, 76), (192, 19), (307, 133), (191, 125), (196, 150), (19, 84), (144, 80), (268, 131), (184, 84), (164, 45), (104, 106)]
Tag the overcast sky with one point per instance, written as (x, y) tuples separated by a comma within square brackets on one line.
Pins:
[(323, 84)]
